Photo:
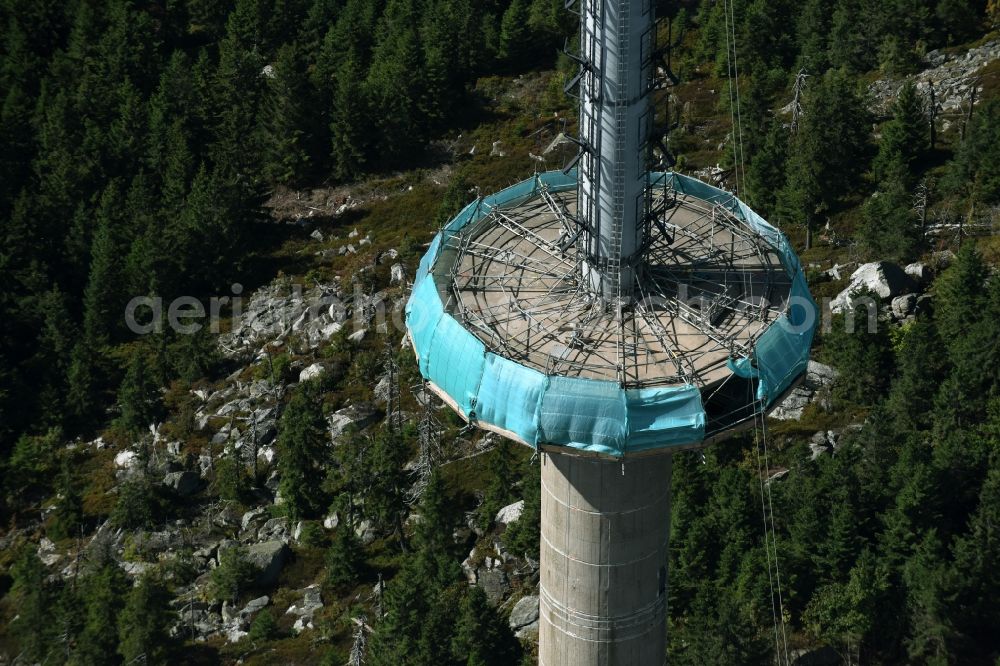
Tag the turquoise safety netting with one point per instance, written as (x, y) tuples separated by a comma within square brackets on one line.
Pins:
[(586, 414)]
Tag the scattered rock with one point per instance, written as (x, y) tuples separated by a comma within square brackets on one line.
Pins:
[(281, 308), (924, 304), (919, 273), (942, 259), (312, 601), (819, 444), (317, 235), (312, 372), (510, 513), (468, 569), (275, 529), (389, 255), (358, 416), (953, 75), (357, 336), (184, 483), (528, 632), (255, 605), (135, 569), (47, 552), (126, 460), (882, 277), (331, 521), (818, 376), (494, 583), (524, 613), (251, 516), (903, 305), (777, 476), (397, 274), (269, 558), (365, 532)]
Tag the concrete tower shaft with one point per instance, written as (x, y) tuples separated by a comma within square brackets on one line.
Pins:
[(616, 42), (603, 587)]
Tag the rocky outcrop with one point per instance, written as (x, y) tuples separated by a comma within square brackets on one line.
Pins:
[(280, 309), (185, 483), (311, 601), (952, 76), (883, 278), (358, 416), (524, 613), (510, 513), (314, 371), (269, 559), (818, 377)]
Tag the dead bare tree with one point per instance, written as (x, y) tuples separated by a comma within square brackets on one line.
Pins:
[(360, 643), (920, 199), (933, 109), (973, 93), (429, 447), (393, 416), (796, 105)]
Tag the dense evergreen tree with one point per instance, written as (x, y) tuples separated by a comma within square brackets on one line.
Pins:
[(302, 444), (103, 594), (345, 559), (975, 171), (284, 139), (138, 397), (904, 138), (482, 638), (498, 487), (890, 229), (144, 623), (34, 630), (828, 152)]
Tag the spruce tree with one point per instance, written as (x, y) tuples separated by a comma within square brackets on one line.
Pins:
[(482, 638), (103, 299), (890, 228), (138, 397), (349, 119), (904, 138), (828, 152), (103, 594), (283, 120), (522, 537), (32, 627), (144, 623), (498, 489), (302, 450), (515, 33), (68, 518), (264, 627), (385, 501), (344, 560)]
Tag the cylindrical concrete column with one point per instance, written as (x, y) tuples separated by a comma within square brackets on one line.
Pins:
[(605, 533)]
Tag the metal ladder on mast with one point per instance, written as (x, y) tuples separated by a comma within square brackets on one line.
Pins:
[(614, 263)]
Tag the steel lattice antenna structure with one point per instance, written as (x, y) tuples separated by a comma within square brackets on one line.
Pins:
[(608, 316)]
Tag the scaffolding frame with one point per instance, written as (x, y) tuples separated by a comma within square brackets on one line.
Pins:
[(708, 286)]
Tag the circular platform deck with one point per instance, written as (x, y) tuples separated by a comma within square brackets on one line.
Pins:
[(708, 287)]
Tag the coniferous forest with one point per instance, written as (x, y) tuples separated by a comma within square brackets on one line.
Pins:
[(275, 488)]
